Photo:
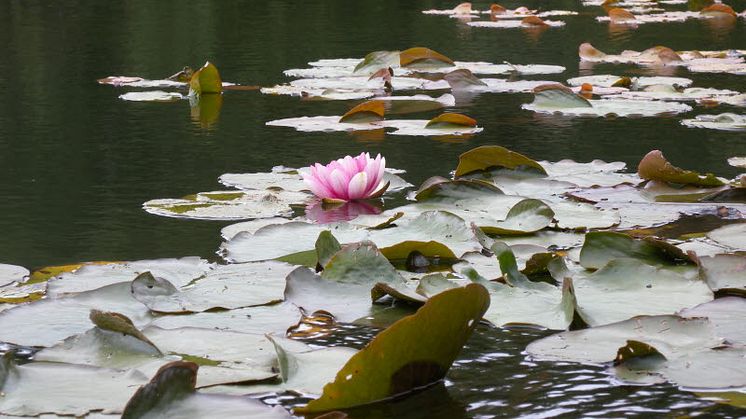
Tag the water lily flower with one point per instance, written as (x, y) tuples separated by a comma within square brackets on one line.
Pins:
[(348, 178)]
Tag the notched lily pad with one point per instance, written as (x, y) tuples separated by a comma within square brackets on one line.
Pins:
[(489, 157)]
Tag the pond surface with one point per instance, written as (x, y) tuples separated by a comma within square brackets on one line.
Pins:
[(77, 162)]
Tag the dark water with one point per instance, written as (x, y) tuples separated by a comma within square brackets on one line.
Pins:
[(77, 162)]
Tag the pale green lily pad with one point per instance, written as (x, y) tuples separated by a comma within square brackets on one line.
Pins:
[(723, 122), (625, 288), (719, 368), (275, 318), (727, 316), (672, 335), (525, 217), (414, 352), (290, 180), (229, 205), (303, 369), (47, 322), (582, 216), (152, 96), (607, 80), (593, 173), (737, 162), (512, 24), (732, 236), (295, 237), (523, 302), (251, 226), (67, 389), (724, 272), (170, 394), (611, 107), (489, 267), (225, 287), (601, 247), (345, 286), (92, 276), (12, 273)]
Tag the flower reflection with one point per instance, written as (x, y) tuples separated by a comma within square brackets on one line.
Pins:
[(324, 213)]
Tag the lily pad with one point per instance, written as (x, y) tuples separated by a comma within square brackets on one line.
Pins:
[(151, 96), (417, 351), (170, 394), (489, 157), (228, 205), (12, 273), (724, 272), (511, 24), (275, 318), (607, 80), (92, 276), (726, 314), (70, 390), (655, 167), (225, 287), (625, 288), (723, 121), (46, 322), (564, 101), (732, 236), (602, 247), (206, 80)]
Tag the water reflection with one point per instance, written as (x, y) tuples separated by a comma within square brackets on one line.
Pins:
[(719, 27), (324, 213), (621, 32), (205, 110)]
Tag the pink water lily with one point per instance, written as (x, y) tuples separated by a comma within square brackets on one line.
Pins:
[(347, 179)]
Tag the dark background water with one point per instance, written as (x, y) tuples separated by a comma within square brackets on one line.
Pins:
[(76, 162)]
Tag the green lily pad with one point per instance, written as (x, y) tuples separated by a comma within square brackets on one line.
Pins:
[(727, 316), (671, 335), (12, 273), (206, 80), (601, 247), (525, 217), (226, 287), (377, 60), (92, 276), (170, 394), (732, 236), (70, 390), (259, 319), (655, 167), (488, 157), (414, 352), (724, 272), (229, 205), (625, 288), (49, 321)]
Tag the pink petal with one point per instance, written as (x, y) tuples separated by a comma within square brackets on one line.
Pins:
[(318, 188), (339, 184), (357, 186)]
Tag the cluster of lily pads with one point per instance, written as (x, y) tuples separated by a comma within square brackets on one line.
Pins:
[(501, 17), (603, 255)]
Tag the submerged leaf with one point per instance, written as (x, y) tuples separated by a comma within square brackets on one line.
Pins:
[(412, 353)]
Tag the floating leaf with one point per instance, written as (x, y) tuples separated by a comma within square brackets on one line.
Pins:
[(226, 287), (372, 110), (671, 335), (69, 390), (170, 394), (723, 121), (420, 56), (617, 15), (448, 120), (416, 351), (259, 319), (377, 60), (726, 314), (625, 288), (525, 217), (49, 321), (91, 276), (601, 247), (528, 22), (228, 205), (206, 80), (724, 272), (732, 236), (606, 80), (151, 96), (12, 273), (655, 167), (488, 157), (737, 162)]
